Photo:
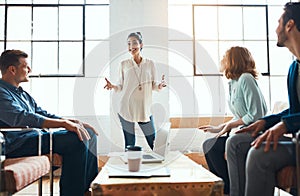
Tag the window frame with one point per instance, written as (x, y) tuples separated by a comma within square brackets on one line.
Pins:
[(218, 40), (58, 41)]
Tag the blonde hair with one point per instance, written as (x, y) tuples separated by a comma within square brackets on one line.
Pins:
[(236, 61)]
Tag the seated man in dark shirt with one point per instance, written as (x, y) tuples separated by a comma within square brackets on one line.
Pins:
[(76, 142)]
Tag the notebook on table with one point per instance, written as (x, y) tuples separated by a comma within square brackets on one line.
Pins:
[(117, 173)]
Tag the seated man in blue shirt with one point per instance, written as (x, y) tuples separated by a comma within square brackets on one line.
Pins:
[(76, 142)]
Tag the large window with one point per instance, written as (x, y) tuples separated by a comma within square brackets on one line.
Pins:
[(198, 39), (218, 27), (67, 42), (57, 34)]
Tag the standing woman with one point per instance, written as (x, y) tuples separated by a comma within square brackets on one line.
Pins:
[(136, 82), (246, 103)]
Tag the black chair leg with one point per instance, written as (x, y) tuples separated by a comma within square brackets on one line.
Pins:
[(40, 186)]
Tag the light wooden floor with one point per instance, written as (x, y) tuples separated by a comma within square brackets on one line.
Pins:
[(32, 189)]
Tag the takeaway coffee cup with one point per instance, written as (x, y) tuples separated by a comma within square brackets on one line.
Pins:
[(134, 156)]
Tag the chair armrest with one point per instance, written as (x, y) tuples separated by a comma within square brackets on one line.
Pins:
[(2, 155), (39, 132), (21, 129), (50, 131), (2, 142)]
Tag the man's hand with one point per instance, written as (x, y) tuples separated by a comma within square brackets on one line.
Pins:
[(72, 125), (270, 136), (85, 125), (255, 128), (78, 128)]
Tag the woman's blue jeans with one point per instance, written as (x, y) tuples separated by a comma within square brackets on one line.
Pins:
[(129, 134)]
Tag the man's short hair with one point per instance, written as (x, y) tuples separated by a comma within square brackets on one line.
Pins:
[(292, 11), (10, 57)]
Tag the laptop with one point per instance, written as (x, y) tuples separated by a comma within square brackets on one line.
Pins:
[(161, 145)]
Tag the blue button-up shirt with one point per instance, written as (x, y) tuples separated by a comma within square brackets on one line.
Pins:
[(19, 109)]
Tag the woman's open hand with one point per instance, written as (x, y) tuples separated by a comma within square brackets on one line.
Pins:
[(211, 128), (108, 85), (162, 83)]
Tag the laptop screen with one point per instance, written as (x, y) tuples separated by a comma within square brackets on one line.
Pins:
[(161, 143)]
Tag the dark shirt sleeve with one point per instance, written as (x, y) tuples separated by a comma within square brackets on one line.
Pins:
[(15, 113), (273, 119), (292, 122)]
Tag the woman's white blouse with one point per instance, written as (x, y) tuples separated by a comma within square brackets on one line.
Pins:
[(135, 103), (246, 100)]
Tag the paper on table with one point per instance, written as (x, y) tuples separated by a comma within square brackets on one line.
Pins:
[(121, 173), (116, 154)]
